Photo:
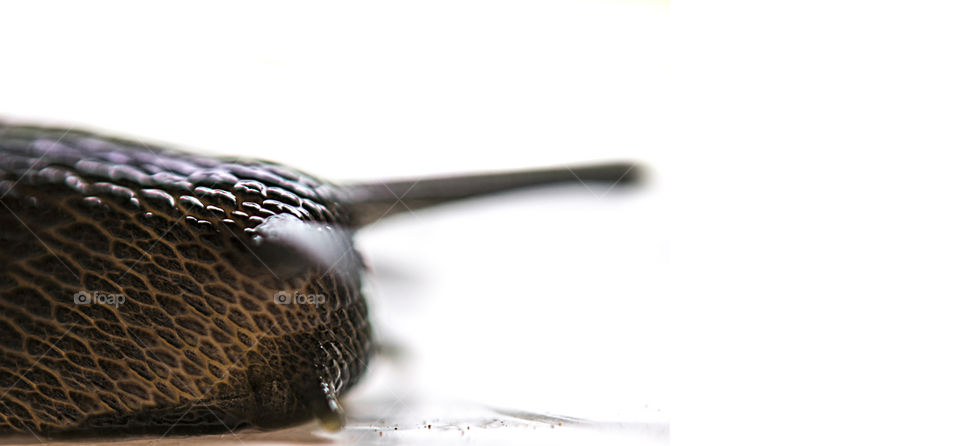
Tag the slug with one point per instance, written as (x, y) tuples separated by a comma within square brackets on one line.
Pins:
[(145, 289)]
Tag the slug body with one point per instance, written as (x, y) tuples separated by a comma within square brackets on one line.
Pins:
[(147, 290)]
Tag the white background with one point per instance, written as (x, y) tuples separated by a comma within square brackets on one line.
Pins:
[(789, 276)]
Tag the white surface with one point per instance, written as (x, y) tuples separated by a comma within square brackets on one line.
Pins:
[(544, 302)]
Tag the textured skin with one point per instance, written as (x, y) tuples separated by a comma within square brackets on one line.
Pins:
[(199, 344)]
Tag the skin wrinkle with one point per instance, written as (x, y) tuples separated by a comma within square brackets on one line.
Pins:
[(256, 358)]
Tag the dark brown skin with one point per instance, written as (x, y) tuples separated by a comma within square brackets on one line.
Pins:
[(187, 259)]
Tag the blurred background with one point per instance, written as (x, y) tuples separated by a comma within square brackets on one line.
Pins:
[(539, 317), (789, 276)]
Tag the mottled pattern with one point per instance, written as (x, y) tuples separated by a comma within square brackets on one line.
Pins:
[(199, 342)]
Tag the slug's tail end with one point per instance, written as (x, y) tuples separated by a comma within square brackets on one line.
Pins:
[(370, 202)]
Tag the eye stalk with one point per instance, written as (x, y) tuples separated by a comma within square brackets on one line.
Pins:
[(370, 202)]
